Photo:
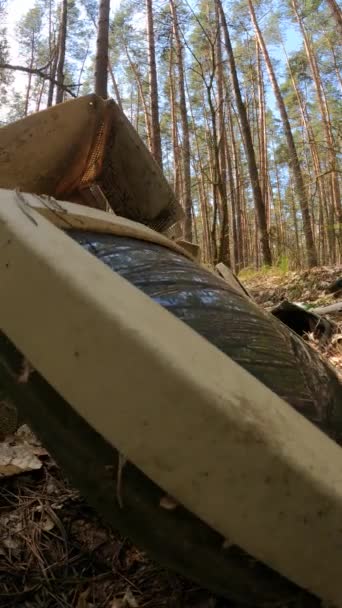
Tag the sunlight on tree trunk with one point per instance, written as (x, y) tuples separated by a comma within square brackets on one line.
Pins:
[(156, 148), (61, 52), (294, 160), (101, 63)]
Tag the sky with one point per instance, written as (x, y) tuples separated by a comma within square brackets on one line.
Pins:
[(16, 9)]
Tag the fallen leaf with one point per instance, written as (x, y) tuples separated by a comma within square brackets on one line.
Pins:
[(17, 457)]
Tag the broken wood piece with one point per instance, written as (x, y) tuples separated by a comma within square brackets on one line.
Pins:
[(191, 248), (231, 279), (322, 310)]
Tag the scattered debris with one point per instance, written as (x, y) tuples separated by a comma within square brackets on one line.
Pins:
[(55, 551), (304, 322), (20, 453), (310, 288), (335, 287)]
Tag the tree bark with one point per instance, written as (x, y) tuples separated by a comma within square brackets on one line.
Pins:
[(29, 83), (324, 110), (115, 85), (262, 136), (61, 52), (156, 148), (101, 61), (174, 128), (53, 80), (337, 13), (53, 54), (224, 248), (311, 140), (294, 160), (186, 194), (248, 145), (142, 98)]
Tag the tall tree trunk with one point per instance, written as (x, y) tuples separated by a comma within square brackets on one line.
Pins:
[(101, 61), (29, 83), (186, 195), (224, 250), (324, 110), (79, 81), (53, 75), (335, 64), (240, 237), (294, 160), (142, 97), (311, 139), (115, 85), (203, 198), (248, 144), (40, 95), (156, 148), (61, 51), (262, 131), (53, 56), (337, 13), (174, 128)]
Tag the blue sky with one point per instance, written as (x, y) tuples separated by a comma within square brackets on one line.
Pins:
[(17, 8)]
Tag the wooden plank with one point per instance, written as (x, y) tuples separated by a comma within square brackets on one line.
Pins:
[(231, 279)]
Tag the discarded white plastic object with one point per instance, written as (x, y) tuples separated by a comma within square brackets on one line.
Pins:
[(191, 419)]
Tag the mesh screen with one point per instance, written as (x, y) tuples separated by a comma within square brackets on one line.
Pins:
[(102, 170)]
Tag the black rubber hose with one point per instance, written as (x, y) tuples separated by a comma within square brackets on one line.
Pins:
[(258, 342)]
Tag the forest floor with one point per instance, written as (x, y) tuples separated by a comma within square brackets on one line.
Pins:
[(269, 287), (56, 552)]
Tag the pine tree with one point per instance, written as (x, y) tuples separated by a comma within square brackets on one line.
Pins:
[(101, 66), (156, 147)]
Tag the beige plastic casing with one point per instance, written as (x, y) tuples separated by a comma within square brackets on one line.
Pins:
[(190, 418)]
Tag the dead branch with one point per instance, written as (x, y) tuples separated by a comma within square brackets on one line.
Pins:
[(38, 72), (321, 310)]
